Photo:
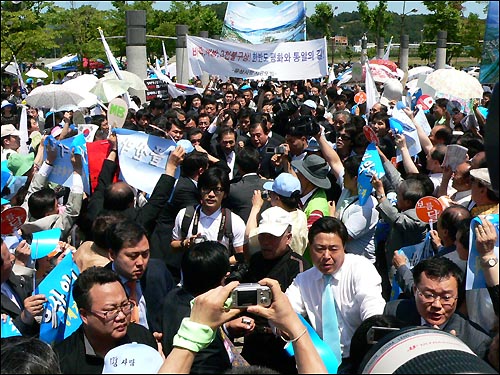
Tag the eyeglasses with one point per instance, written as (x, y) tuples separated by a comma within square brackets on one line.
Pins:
[(110, 315), (344, 137), (429, 297), (217, 190)]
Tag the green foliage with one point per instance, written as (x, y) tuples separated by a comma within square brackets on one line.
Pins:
[(25, 30), (322, 18), (375, 20)]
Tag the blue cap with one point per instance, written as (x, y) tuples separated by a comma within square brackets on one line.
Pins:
[(29, 80), (285, 184)]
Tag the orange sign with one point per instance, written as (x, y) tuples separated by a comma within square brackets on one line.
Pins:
[(360, 97), (12, 219), (428, 209)]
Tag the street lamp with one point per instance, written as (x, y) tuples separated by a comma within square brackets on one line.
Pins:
[(403, 16), (422, 36)]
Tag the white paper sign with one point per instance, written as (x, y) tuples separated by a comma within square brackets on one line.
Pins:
[(284, 61), (455, 155), (117, 113)]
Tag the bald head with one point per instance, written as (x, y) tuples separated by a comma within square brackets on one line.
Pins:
[(118, 197)]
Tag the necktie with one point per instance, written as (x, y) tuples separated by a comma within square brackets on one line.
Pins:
[(331, 334), (133, 297)]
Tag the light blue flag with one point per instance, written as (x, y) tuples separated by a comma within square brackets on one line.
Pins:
[(143, 158), (324, 351), (370, 165), (6, 174), (396, 126), (44, 242), (414, 254), (475, 276), (61, 317), (9, 329), (62, 173)]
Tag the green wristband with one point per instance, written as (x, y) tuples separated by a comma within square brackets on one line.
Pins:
[(193, 336)]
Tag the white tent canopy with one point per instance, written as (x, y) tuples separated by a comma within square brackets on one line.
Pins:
[(64, 60)]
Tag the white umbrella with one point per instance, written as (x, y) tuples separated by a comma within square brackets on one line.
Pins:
[(108, 89), (456, 83), (413, 73), (36, 73), (54, 97), (135, 81), (85, 82)]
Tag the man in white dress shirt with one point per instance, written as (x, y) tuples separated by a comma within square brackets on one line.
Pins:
[(355, 284)]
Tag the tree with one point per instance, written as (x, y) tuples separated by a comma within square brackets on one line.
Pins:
[(445, 15), (322, 18), (25, 30), (377, 19)]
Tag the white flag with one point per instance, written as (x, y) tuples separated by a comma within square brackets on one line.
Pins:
[(387, 51), (372, 95), (165, 57), (24, 91), (112, 63), (23, 128)]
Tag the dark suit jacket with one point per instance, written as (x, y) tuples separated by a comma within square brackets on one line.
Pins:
[(155, 284), (185, 194), (22, 288), (146, 215), (266, 168), (469, 332), (240, 195)]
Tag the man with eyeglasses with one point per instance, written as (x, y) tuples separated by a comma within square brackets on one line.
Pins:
[(436, 297), (209, 220), (105, 311)]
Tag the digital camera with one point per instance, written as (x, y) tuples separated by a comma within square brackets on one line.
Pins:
[(251, 294), (199, 239), (280, 150)]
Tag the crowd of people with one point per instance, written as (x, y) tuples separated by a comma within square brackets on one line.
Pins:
[(268, 193)]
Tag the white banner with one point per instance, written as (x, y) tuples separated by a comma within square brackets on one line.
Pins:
[(285, 61), (143, 158)]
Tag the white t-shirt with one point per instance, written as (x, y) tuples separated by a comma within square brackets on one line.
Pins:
[(209, 226), (357, 291)]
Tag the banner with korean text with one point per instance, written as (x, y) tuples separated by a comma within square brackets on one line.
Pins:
[(286, 61), (62, 173), (61, 317), (143, 158), (245, 22)]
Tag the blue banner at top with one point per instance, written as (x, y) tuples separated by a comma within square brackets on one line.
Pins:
[(247, 23), (490, 58)]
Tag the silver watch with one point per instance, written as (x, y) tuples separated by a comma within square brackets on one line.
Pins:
[(490, 262)]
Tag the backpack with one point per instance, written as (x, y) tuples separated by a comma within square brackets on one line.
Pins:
[(225, 228)]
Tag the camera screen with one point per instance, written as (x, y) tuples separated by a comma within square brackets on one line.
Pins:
[(247, 297)]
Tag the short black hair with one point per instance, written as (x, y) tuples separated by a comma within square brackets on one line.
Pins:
[(124, 233), (437, 267), (204, 265), (328, 224), (248, 160), (87, 279), (41, 202), (28, 355), (212, 177)]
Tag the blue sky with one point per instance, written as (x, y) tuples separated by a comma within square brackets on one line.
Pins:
[(344, 6)]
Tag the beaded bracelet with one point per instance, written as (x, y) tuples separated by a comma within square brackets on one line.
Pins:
[(295, 339)]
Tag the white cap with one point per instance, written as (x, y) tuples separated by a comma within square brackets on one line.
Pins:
[(275, 221), (132, 358), (310, 104)]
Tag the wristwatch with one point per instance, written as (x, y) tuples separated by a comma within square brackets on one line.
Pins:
[(490, 262), (380, 196)]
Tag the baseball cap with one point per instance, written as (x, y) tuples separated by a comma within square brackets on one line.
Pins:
[(19, 164), (9, 129), (29, 80), (310, 104), (275, 221), (6, 103), (132, 358), (285, 184)]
